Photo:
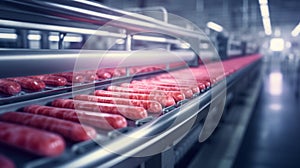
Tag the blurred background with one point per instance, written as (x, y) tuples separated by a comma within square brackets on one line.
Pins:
[(260, 123)]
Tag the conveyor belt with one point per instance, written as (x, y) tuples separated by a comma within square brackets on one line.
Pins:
[(89, 153)]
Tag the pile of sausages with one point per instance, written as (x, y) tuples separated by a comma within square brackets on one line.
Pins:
[(41, 129)]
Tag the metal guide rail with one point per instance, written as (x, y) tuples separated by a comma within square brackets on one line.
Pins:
[(36, 62), (90, 154)]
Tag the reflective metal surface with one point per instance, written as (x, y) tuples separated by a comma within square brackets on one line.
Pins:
[(34, 62)]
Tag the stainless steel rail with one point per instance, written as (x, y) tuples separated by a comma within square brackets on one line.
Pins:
[(35, 62), (66, 29)]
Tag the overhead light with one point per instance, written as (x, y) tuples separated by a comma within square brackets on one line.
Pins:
[(185, 45), (277, 44), (149, 38), (294, 34), (264, 9), (268, 31), (277, 32), (267, 26), (265, 14), (66, 39), (296, 30), (73, 39), (8, 36), (288, 44), (263, 2), (33, 37), (214, 26)]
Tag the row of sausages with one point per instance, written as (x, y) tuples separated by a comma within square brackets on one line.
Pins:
[(13, 86)]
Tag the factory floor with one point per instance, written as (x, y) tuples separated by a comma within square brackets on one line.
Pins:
[(273, 134)]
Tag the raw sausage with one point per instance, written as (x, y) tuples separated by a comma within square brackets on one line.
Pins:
[(9, 87), (113, 72), (89, 76), (71, 77), (162, 98), (5, 162), (103, 74), (184, 82), (188, 93), (99, 120), (191, 86), (29, 83), (68, 129), (178, 96), (130, 112), (33, 140), (51, 80), (150, 106)]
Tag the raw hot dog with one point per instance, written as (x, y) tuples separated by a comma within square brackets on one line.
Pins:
[(191, 86), (102, 74), (29, 83), (150, 106), (99, 120), (130, 112), (71, 77), (89, 76), (184, 82), (178, 96), (52, 80), (68, 129), (33, 140), (188, 93), (114, 72), (162, 98), (9, 87)]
